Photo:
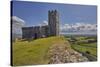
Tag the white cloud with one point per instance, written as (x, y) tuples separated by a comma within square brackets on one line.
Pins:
[(45, 23), (78, 27), (18, 21), (17, 24)]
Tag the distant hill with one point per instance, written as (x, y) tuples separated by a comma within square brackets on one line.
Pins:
[(83, 33)]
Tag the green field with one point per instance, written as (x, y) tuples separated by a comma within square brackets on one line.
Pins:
[(33, 52), (92, 50), (82, 44)]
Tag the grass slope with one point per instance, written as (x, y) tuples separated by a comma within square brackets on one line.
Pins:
[(33, 52)]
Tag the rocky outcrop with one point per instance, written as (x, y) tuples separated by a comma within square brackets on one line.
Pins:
[(61, 53)]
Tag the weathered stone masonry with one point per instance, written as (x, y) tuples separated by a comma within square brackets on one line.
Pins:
[(52, 29)]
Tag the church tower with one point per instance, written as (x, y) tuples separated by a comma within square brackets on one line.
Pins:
[(53, 23)]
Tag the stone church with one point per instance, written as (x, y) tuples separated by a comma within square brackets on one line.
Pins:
[(52, 29)]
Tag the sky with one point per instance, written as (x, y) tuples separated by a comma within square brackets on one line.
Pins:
[(70, 15), (34, 13)]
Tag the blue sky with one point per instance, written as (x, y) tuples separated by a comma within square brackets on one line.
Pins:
[(34, 13)]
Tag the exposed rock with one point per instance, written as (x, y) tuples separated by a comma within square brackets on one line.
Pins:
[(58, 54)]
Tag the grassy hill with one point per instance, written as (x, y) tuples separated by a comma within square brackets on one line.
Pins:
[(33, 52)]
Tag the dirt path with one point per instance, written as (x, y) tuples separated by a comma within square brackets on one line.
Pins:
[(62, 53)]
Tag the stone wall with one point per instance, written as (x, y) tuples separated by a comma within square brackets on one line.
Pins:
[(53, 23), (44, 31), (52, 29), (34, 32), (31, 32)]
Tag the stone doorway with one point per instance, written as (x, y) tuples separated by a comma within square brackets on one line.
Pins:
[(35, 36)]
